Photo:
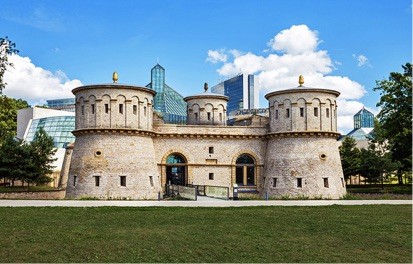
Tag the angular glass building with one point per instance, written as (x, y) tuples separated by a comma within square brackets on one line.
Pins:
[(242, 92), (167, 102), (363, 118)]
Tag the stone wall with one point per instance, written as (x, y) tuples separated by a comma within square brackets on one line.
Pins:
[(206, 109), (39, 195)]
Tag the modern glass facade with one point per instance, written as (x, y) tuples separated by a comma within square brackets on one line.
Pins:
[(241, 90), (363, 118), (58, 127), (169, 103), (67, 104)]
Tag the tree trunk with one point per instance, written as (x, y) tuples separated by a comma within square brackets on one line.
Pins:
[(400, 177)]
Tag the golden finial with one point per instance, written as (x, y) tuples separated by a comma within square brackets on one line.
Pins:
[(115, 77), (206, 87), (301, 80)]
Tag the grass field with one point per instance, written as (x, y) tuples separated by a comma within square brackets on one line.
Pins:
[(374, 233)]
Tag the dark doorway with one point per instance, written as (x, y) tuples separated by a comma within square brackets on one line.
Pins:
[(176, 170)]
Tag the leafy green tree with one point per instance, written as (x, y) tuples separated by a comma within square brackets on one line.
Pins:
[(396, 117), (42, 149), (7, 48), (15, 159), (350, 157), (8, 115)]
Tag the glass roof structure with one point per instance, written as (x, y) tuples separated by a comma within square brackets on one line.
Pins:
[(168, 102), (58, 127), (363, 118)]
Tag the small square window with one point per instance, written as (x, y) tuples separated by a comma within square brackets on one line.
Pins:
[(211, 150), (123, 181), (299, 182), (97, 181), (274, 182), (106, 108), (211, 176), (120, 108), (301, 111)]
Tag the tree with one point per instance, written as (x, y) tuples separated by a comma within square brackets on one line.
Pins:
[(42, 149), (396, 117), (28, 162), (15, 159), (8, 115), (7, 48), (350, 157)]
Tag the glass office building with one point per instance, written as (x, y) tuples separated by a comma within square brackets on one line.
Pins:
[(242, 92), (66, 104), (58, 127), (169, 103)]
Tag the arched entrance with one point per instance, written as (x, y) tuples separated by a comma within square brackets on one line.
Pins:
[(245, 171), (176, 169)]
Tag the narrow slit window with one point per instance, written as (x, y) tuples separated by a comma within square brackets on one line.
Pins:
[(276, 114), (83, 109), (120, 108), (327, 113), (74, 180), (342, 182), (299, 182), (144, 110), (325, 182), (220, 117), (315, 111), (274, 182), (97, 181), (196, 116), (106, 108), (93, 108), (209, 116), (287, 113), (301, 111), (123, 181), (135, 109), (151, 180)]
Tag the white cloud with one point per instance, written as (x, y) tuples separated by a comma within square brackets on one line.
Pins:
[(295, 40), (35, 84), (216, 56), (294, 52), (362, 60)]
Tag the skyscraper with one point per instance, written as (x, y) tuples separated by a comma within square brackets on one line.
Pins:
[(241, 90), (169, 103)]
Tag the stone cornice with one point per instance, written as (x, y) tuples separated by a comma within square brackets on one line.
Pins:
[(147, 133)]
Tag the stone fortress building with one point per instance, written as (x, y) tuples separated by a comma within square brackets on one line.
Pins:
[(121, 153)]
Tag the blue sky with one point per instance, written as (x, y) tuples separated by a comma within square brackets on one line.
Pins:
[(345, 45)]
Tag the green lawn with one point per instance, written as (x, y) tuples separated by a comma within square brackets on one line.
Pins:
[(373, 233)]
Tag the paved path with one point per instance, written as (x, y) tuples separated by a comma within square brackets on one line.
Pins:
[(202, 202)]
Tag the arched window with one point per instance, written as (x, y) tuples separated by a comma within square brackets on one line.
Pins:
[(176, 169), (245, 170)]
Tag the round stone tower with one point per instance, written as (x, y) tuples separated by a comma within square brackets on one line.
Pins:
[(207, 108), (113, 155), (302, 157)]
